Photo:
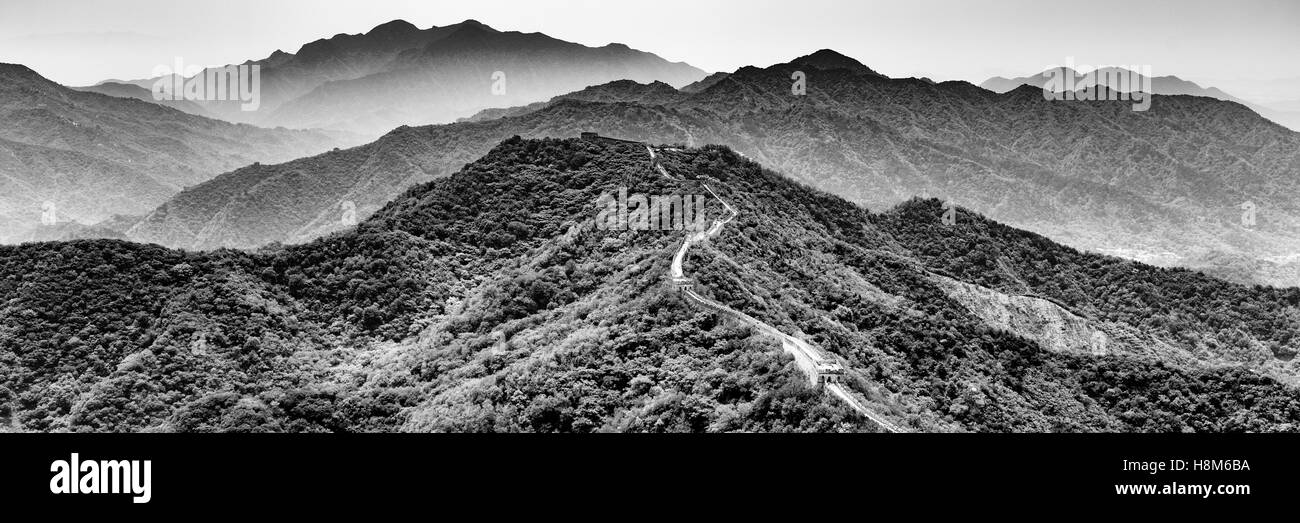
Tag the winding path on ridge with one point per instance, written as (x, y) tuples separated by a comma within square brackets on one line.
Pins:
[(812, 361)]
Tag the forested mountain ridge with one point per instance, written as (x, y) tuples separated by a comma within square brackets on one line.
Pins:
[(306, 198), (1165, 186), (488, 300), (68, 156)]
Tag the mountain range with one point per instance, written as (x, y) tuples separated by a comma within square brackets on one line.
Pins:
[(429, 251), (398, 74), (70, 156), (1072, 171), (489, 300), (1280, 113)]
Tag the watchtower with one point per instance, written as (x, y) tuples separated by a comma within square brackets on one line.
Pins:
[(829, 372), (683, 284)]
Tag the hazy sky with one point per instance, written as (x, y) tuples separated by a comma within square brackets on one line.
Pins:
[(1226, 43)]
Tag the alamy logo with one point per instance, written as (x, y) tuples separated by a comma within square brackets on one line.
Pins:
[(49, 213), (949, 213), (102, 477), (1119, 83), (800, 85), (349, 217), (639, 212), (499, 83), (230, 83), (1248, 210), (1099, 343)]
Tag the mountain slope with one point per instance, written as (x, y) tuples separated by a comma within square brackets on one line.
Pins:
[(84, 157), (489, 301), (1164, 186)]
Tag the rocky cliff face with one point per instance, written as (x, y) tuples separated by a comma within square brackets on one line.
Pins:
[(1054, 327)]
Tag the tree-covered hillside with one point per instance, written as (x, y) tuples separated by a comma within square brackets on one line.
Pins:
[(489, 301)]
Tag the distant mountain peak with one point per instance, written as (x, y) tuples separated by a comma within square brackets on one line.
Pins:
[(475, 24), (1026, 90), (278, 58), (470, 32), (398, 26), (827, 59)]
